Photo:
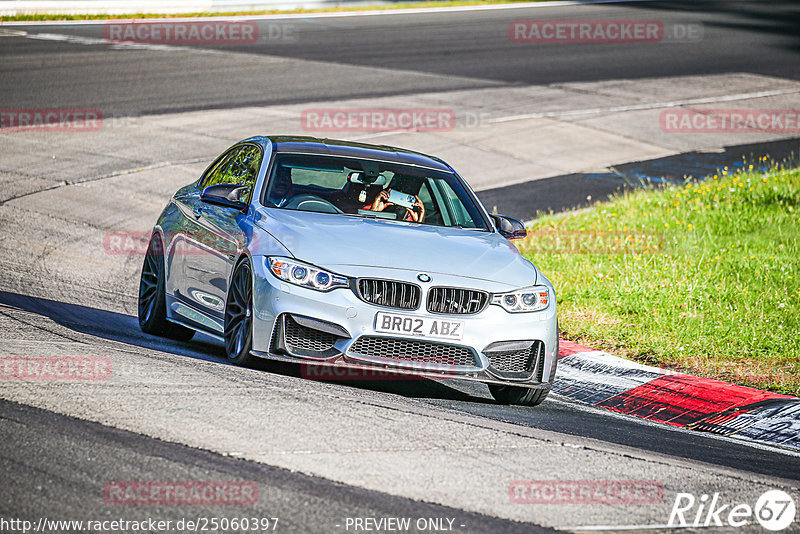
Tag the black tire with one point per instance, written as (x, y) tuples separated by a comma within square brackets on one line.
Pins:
[(518, 395), (152, 299), (239, 316)]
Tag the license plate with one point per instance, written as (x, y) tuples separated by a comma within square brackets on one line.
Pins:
[(412, 325)]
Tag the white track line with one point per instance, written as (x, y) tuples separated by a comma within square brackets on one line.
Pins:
[(653, 105), (596, 410), (377, 12), (128, 45), (619, 528), (613, 109)]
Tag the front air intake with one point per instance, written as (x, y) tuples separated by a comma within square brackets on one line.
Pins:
[(306, 337), (520, 362), (387, 349)]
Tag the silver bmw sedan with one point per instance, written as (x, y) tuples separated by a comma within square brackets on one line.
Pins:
[(351, 256)]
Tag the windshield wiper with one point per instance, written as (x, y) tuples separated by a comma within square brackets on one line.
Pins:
[(362, 215), (461, 227)]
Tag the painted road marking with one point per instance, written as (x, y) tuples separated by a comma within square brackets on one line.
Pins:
[(409, 11)]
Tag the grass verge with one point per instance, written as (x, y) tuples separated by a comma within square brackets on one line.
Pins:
[(333, 9), (701, 278)]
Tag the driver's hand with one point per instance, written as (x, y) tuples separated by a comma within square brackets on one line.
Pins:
[(381, 201), (417, 214)]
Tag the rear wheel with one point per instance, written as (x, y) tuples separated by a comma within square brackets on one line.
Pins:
[(518, 395), (152, 299), (239, 316)]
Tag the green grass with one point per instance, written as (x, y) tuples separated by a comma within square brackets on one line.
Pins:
[(333, 9), (701, 278)]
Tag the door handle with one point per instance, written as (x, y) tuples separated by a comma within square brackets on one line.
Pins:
[(197, 213)]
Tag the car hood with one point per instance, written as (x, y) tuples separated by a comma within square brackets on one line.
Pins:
[(333, 241)]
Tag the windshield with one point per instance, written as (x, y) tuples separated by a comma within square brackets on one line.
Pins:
[(373, 189)]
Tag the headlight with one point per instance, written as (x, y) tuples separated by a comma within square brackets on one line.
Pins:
[(524, 300), (304, 275)]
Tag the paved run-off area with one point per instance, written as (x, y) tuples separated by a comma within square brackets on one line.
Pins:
[(65, 294)]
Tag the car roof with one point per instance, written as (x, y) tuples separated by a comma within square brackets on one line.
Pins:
[(336, 147)]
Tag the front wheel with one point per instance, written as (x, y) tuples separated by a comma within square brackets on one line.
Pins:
[(152, 299), (518, 395), (239, 316)]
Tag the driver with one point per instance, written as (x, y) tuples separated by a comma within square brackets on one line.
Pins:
[(413, 214), (283, 188)]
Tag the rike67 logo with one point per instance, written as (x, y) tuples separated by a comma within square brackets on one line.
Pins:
[(774, 510)]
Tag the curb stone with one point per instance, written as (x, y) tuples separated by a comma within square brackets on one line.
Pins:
[(702, 404)]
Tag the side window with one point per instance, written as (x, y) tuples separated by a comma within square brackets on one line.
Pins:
[(461, 215), (210, 177), (432, 214), (425, 196), (240, 166)]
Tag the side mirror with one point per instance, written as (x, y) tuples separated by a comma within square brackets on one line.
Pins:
[(508, 227), (226, 195)]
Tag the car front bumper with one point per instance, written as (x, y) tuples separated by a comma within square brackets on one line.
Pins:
[(491, 338)]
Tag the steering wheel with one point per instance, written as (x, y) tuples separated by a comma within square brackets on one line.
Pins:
[(311, 203)]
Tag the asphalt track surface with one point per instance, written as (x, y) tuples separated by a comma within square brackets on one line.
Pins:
[(57, 466), (561, 416), (97, 454), (52, 462), (414, 53)]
